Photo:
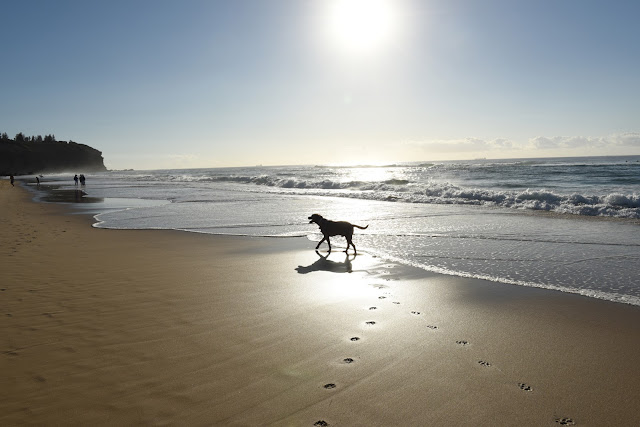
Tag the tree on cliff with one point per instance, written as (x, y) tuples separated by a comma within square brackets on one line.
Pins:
[(35, 154)]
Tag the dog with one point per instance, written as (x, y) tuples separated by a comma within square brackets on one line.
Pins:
[(335, 228)]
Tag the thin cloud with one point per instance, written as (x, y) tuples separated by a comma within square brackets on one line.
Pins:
[(463, 145), (627, 139), (468, 145), (571, 142)]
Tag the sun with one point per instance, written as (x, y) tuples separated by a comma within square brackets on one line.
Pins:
[(361, 26)]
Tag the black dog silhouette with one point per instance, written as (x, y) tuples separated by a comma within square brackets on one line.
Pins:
[(335, 228)]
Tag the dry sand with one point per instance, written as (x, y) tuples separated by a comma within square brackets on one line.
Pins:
[(113, 327)]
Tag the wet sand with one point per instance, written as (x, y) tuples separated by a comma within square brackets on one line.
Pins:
[(121, 327)]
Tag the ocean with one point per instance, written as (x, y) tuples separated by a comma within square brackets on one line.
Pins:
[(568, 224)]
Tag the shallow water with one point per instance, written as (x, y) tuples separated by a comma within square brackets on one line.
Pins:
[(571, 227)]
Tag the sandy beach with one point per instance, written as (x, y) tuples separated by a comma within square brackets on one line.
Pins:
[(148, 327)]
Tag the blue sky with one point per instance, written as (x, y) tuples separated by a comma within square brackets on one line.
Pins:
[(172, 84)]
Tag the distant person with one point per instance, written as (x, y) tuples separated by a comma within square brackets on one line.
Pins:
[(37, 181), (82, 179), (75, 178), (12, 179)]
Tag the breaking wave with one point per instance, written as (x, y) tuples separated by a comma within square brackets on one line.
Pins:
[(616, 205)]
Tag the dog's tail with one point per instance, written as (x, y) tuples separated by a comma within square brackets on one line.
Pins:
[(362, 228)]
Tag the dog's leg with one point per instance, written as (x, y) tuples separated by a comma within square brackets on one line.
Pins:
[(329, 243), (350, 243), (320, 242)]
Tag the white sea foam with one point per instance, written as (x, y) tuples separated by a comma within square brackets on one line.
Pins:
[(592, 293), (613, 204)]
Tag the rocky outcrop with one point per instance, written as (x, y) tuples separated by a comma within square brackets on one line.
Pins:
[(31, 157)]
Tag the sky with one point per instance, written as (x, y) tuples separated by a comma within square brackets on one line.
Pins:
[(158, 84)]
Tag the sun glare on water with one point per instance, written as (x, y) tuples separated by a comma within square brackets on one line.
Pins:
[(361, 26)]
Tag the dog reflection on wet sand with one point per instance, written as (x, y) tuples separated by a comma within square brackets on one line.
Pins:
[(325, 264)]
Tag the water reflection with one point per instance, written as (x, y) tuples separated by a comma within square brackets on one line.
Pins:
[(325, 264), (69, 196)]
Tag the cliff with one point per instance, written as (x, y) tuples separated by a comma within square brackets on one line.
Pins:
[(30, 157)]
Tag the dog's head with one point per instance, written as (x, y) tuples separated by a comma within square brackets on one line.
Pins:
[(315, 218)]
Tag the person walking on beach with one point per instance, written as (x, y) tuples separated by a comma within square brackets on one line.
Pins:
[(38, 181), (82, 179), (12, 179), (75, 178)]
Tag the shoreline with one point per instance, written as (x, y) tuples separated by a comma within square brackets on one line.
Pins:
[(106, 326), (97, 206)]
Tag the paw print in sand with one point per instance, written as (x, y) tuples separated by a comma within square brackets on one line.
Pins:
[(525, 387)]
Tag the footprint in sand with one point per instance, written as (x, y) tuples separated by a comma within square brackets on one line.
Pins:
[(348, 360), (396, 303), (373, 308), (484, 363), (371, 322), (525, 387), (329, 386), (462, 342), (565, 421), (321, 423), (355, 338), (434, 327), (415, 313), (381, 297)]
